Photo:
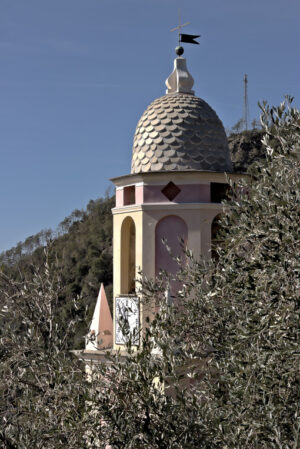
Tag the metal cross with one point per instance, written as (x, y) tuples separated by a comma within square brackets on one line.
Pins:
[(179, 26)]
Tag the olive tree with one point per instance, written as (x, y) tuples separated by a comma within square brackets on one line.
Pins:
[(220, 369), (42, 389), (248, 309), (217, 369)]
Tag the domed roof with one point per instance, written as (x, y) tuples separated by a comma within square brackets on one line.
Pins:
[(180, 132)]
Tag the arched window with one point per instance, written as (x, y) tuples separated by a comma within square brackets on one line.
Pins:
[(216, 239), (171, 229), (128, 256)]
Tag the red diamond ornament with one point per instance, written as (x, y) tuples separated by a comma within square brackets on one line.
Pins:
[(171, 191)]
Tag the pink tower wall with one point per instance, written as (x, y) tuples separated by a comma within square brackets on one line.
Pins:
[(171, 228), (189, 193), (119, 197)]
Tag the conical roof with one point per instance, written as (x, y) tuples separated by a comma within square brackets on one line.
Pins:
[(101, 328)]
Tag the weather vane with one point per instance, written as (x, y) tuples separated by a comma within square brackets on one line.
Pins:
[(187, 38)]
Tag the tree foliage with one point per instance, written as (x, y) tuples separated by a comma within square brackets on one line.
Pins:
[(217, 369), (249, 303), (228, 355), (42, 394), (83, 245), (246, 148)]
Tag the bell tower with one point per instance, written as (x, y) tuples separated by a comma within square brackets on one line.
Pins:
[(179, 172)]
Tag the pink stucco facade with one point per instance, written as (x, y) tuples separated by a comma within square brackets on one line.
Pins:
[(173, 230), (119, 197), (139, 194), (189, 193), (188, 215)]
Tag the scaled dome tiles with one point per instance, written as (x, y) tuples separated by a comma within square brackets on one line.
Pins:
[(180, 132)]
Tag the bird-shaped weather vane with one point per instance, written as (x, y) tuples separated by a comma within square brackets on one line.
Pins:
[(186, 38)]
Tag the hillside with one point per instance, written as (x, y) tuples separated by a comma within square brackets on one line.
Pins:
[(245, 149), (83, 243)]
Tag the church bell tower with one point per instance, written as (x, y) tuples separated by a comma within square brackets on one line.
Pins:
[(179, 170)]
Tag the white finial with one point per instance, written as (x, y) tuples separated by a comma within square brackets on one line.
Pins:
[(180, 79)]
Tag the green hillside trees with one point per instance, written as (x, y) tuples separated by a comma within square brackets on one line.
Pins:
[(83, 246)]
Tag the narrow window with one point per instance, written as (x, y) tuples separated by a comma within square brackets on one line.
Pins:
[(218, 192), (128, 256), (129, 195)]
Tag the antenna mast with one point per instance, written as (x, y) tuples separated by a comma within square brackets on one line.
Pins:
[(246, 105)]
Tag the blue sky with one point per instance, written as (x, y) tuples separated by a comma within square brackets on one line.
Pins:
[(77, 74)]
